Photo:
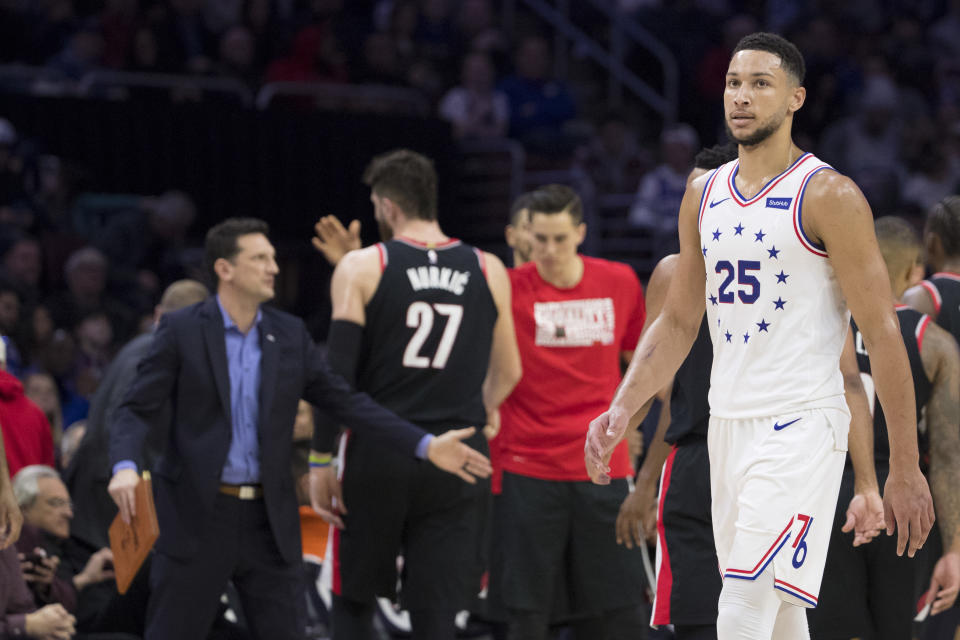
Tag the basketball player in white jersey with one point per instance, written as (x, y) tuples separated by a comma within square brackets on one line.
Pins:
[(787, 246)]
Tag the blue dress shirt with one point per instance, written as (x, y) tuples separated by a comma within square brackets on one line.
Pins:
[(243, 363)]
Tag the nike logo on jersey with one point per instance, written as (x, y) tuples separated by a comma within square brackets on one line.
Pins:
[(716, 202), (777, 426)]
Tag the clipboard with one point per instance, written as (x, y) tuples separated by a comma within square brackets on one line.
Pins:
[(131, 543)]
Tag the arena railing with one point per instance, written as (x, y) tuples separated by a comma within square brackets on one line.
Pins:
[(369, 98), (104, 81)]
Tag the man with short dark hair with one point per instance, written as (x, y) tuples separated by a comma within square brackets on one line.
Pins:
[(235, 371), (939, 296), (422, 322), (776, 246), (577, 320)]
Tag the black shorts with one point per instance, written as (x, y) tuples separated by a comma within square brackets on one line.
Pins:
[(558, 548), (398, 505), (866, 591), (688, 579)]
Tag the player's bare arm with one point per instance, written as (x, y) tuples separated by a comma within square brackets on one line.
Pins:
[(636, 509), (504, 370), (865, 512), (663, 345), (836, 214), (919, 298), (941, 361)]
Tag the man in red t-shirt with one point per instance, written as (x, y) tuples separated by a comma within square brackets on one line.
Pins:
[(577, 319)]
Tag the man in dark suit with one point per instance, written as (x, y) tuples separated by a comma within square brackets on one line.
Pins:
[(225, 500), (89, 471)]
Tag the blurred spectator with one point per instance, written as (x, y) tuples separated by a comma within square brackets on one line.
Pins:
[(23, 266), (475, 108), (37, 334), (19, 616), (612, 158), (238, 56), (479, 31), (381, 61), (184, 43), (26, 433), (945, 32), (82, 54), (540, 105), (145, 53), (867, 145), (10, 323), (86, 278), (315, 56), (220, 15), (94, 338), (118, 24), (436, 36), (89, 474), (934, 176), (661, 190), (41, 388), (76, 576), (11, 166)]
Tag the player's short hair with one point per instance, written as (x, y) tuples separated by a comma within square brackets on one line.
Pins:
[(943, 220), (519, 204), (408, 179), (899, 242), (791, 60), (182, 293), (221, 240), (556, 198), (710, 158)]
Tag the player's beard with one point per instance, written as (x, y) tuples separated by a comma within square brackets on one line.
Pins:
[(763, 132)]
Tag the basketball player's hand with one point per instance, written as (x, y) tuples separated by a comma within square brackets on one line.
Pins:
[(945, 582), (908, 509), (605, 431), (326, 495), (864, 517), (333, 240), (634, 522), (122, 489), (447, 452), (11, 518)]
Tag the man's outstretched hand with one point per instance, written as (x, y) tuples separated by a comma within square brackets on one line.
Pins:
[(447, 452), (864, 517), (333, 240)]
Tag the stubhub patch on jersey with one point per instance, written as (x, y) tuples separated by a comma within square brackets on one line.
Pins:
[(779, 203)]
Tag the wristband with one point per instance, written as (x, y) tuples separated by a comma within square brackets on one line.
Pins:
[(319, 461)]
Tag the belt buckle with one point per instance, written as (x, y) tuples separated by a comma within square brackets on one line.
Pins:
[(247, 492)]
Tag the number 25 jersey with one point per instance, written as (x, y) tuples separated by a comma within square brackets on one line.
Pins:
[(429, 329), (777, 317)]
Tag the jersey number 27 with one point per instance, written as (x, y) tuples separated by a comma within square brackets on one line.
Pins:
[(420, 316)]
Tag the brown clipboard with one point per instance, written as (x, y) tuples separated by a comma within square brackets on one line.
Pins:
[(131, 543)]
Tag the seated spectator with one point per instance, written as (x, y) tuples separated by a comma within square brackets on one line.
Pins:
[(612, 158), (82, 54), (540, 105), (237, 56), (86, 278), (70, 443), (23, 266), (480, 32), (19, 616), (315, 56), (661, 190), (475, 108), (61, 570), (26, 432), (42, 390), (10, 308)]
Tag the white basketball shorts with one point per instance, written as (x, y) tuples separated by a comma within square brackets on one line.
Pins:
[(775, 483)]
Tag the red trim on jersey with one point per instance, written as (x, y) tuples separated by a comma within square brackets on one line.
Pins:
[(482, 260), (798, 590), (934, 294), (382, 251), (450, 242), (949, 275), (746, 202), (921, 329), (706, 196), (661, 614), (760, 562), (798, 213)]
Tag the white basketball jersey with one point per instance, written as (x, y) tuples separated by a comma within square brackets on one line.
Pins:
[(776, 314)]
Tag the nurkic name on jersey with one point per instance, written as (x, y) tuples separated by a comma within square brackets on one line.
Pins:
[(777, 316)]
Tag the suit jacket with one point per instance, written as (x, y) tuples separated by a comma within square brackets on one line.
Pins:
[(187, 364), (89, 472)]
